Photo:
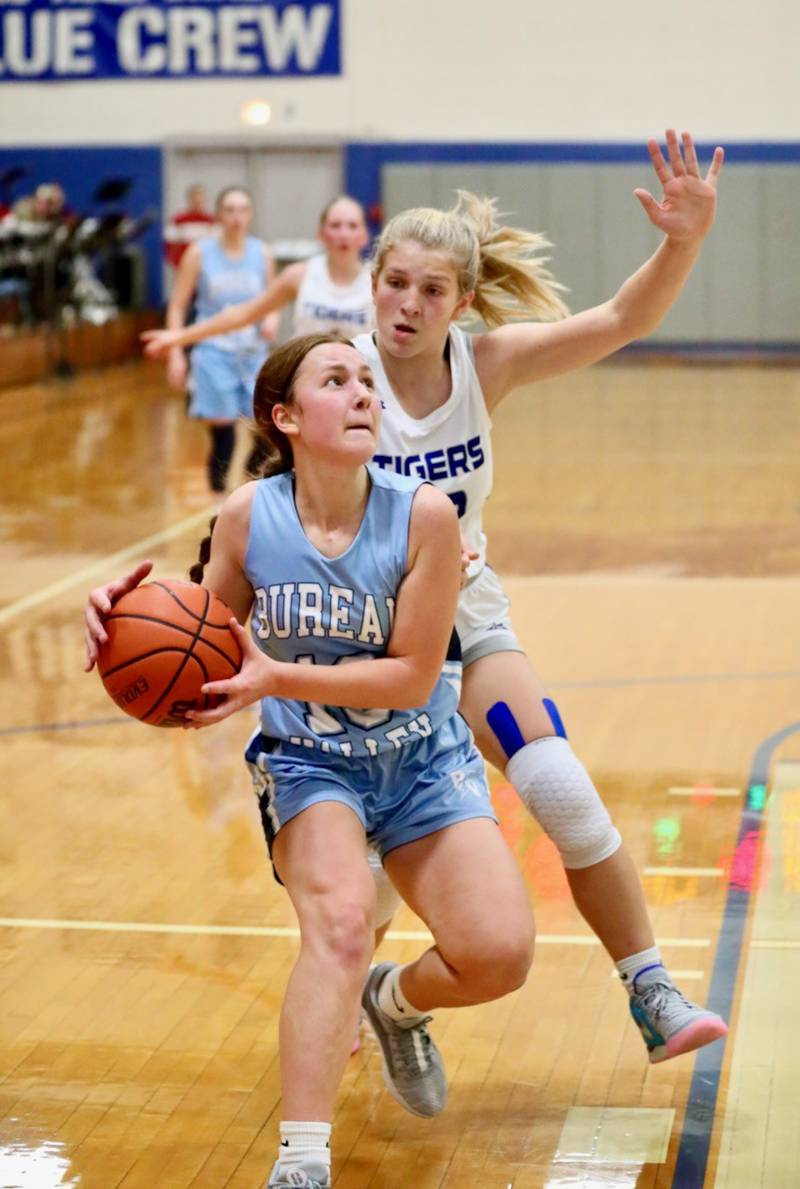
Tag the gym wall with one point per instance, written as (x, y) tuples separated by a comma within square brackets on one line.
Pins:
[(547, 106)]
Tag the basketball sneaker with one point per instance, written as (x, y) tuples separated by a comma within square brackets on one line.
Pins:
[(310, 1175), (669, 1023), (413, 1069)]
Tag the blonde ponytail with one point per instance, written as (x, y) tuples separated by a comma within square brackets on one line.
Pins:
[(503, 266)]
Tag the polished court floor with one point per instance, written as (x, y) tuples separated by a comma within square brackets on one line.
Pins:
[(647, 522)]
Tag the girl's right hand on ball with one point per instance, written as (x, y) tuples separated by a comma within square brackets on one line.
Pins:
[(98, 605)]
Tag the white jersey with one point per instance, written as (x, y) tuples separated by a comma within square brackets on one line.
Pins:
[(451, 446), (323, 306)]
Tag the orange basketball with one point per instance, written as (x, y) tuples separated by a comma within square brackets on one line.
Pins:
[(165, 641)]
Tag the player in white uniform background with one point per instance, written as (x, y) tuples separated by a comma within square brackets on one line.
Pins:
[(439, 388), (330, 292)]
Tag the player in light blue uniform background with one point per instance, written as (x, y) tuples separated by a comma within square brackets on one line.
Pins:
[(351, 576), (224, 369), (220, 270)]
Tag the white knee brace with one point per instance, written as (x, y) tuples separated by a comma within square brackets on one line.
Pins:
[(558, 791), (388, 900)]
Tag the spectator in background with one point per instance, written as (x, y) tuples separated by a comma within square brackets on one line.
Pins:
[(187, 226), (47, 204)]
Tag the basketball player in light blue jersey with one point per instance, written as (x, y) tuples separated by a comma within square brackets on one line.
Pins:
[(350, 577), (332, 291), (221, 270), (439, 387)]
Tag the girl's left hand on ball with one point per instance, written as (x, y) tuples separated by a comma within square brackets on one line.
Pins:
[(255, 680)]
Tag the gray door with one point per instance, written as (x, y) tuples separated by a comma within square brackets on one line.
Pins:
[(290, 185)]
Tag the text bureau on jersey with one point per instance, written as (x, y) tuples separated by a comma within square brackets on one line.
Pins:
[(446, 463), (307, 609)]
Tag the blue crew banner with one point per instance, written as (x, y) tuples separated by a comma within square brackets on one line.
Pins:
[(59, 40)]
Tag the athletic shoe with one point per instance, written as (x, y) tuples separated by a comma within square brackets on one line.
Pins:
[(669, 1023), (310, 1175), (412, 1065)]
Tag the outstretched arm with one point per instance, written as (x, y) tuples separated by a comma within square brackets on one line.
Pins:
[(524, 352), (268, 328), (180, 299), (279, 293)]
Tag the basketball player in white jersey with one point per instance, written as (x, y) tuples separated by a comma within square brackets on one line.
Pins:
[(334, 561), (439, 388), (331, 291)]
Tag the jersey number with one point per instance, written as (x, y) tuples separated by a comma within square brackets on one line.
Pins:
[(319, 718), (459, 498)]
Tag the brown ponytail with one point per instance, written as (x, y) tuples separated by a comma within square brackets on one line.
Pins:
[(196, 571)]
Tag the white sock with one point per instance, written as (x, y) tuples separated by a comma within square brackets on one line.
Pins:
[(630, 969), (305, 1143), (392, 1001)]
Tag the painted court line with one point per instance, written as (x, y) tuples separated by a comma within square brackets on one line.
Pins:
[(700, 791), (677, 679), (701, 1107), (139, 549), (679, 871), (43, 728), (775, 944), (284, 931)]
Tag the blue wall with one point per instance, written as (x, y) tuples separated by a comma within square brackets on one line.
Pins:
[(80, 170)]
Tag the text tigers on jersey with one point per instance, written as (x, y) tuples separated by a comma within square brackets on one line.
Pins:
[(445, 463)]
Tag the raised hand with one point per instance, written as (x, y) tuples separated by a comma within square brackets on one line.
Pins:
[(687, 208), (98, 605)]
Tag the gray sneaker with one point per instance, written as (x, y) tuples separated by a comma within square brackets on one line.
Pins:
[(311, 1175), (669, 1022), (413, 1069)]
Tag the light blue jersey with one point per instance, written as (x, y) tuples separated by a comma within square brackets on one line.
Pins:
[(312, 609), (227, 280)]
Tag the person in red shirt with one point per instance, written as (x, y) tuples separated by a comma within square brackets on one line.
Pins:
[(187, 226)]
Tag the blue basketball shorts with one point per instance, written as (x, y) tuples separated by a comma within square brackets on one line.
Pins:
[(399, 796), (223, 382)]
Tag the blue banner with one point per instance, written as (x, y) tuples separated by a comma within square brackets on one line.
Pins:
[(62, 40)]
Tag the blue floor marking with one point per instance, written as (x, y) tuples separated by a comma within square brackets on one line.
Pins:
[(692, 1159)]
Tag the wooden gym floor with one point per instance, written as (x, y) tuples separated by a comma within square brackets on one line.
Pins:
[(647, 521)]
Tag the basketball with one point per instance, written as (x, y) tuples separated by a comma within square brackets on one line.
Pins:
[(165, 641)]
